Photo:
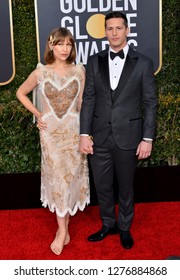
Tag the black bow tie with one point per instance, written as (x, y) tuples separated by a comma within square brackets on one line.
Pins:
[(120, 54)]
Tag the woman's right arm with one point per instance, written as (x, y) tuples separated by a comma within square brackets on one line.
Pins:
[(29, 84)]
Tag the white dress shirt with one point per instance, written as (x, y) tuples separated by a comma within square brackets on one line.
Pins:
[(116, 66)]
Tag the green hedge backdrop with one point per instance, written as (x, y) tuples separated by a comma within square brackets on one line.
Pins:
[(19, 138)]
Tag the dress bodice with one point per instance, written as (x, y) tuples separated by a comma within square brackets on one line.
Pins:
[(58, 94)]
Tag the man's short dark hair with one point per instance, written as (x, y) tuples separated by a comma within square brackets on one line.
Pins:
[(117, 15)]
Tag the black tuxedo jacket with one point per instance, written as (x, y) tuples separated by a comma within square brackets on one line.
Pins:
[(131, 114)]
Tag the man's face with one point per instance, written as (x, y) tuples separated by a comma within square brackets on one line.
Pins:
[(116, 33)]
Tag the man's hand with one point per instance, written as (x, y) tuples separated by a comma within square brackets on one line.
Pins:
[(86, 145), (144, 150)]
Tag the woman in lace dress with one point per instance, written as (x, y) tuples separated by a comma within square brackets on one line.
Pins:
[(64, 171)]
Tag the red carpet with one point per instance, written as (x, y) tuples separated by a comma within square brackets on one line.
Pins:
[(26, 234)]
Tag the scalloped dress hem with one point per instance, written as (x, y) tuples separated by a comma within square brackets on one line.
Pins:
[(77, 207)]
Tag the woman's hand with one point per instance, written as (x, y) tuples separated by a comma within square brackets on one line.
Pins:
[(86, 145), (40, 123)]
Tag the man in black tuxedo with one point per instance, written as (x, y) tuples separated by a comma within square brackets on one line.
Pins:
[(117, 124)]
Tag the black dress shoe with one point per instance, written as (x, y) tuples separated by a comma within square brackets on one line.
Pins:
[(126, 239), (102, 233)]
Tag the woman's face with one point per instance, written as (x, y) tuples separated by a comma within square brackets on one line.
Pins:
[(62, 50)]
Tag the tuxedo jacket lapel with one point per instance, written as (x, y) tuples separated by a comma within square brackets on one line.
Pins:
[(126, 73), (104, 69)]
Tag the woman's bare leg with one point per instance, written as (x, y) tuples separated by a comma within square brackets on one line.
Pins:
[(59, 240), (67, 239)]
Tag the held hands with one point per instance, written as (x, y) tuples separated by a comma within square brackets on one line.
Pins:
[(144, 150), (40, 123), (86, 145)]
